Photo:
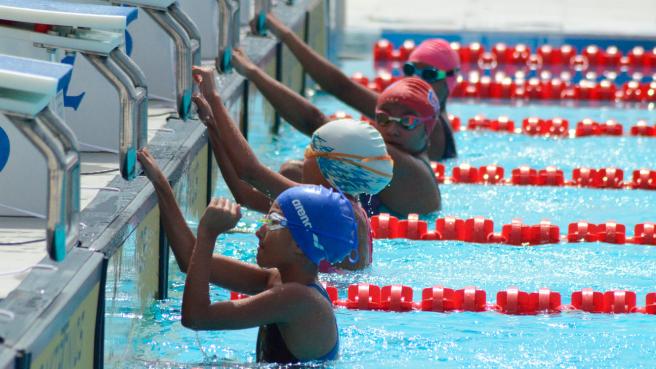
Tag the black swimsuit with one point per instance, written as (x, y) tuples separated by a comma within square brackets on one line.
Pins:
[(449, 142), (271, 346)]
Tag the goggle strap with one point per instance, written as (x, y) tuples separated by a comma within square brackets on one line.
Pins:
[(449, 73), (347, 158)]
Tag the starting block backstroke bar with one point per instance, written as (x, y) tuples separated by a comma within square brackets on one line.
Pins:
[(186, 36), (27, 88), (97, 32)]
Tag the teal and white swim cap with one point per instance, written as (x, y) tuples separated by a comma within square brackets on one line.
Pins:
[(352, 156)]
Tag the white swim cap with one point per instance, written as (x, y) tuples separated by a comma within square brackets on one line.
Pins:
[(352, 156)]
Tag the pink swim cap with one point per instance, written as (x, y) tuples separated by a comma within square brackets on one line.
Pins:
[(438, 53), (416, 94)]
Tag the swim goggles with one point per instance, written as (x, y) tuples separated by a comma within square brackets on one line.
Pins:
[(356, 160), (408, 122), (428, 74), (274, 221)]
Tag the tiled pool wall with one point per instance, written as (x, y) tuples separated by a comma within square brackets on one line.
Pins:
[(67, 317)]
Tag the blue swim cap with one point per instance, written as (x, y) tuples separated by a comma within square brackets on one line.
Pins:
[(321, 221)]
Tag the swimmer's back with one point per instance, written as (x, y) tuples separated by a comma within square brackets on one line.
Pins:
[(272, 338)]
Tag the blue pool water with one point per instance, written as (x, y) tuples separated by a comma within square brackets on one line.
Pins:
[(154, 338)]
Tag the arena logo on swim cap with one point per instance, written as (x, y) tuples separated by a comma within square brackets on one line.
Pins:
[(320, 144), (300, 210), (315, 239)]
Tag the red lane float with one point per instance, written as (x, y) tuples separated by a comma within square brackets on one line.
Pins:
[(554, 127), (437, 299), (516, 233), (516, 302), (645, 234), (519, 55), (362, 296), (602, 178), (411, 228), (650, 303), (555, 89), (481, 230), (582, 232), (512, 301), (396, 298), (588, 300)]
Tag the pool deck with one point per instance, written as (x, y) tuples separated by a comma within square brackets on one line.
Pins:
[(582, 17)]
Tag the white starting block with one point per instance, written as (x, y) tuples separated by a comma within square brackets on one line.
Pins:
[(27, 88), (205, 14), (167, 75), (98, 33)]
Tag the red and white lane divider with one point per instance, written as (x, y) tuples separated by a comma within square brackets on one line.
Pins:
[(520, 54), (606, 178), (506, 88), (481, 230), (552, 127), (399, 298), (535, 126)]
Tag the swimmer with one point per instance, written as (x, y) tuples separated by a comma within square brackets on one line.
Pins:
[(347, 155), (305, 225), (433, 60), (405, 113)]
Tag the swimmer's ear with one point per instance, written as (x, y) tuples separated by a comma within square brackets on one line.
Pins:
[(354, 256)]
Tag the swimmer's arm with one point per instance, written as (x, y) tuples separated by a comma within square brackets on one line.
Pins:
[(413, 188), (245, 194), (280, 304), (294, 108), (327, 75), (242, 157), (223, 271)]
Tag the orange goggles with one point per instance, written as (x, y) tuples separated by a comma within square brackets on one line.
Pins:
[(356, 160)]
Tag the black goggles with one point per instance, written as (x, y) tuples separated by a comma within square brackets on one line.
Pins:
[(428, 74)]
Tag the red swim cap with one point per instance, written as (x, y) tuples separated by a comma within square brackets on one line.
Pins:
[(417, 95), (437, 53)]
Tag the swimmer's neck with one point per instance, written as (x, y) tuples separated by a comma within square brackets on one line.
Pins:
[(297, 273)]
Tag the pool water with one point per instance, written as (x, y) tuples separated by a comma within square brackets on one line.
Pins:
[(154, 337)]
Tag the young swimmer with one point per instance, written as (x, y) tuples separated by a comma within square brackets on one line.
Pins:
[(411, 104), (433, 60), (345, 154), (306, 224), (437, 63)]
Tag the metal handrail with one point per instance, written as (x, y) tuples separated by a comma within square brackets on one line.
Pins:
[(134, 108), (186, 38), (102, 49), (48, 133)]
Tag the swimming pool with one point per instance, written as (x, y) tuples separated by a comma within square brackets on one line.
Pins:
[(152, 336)]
